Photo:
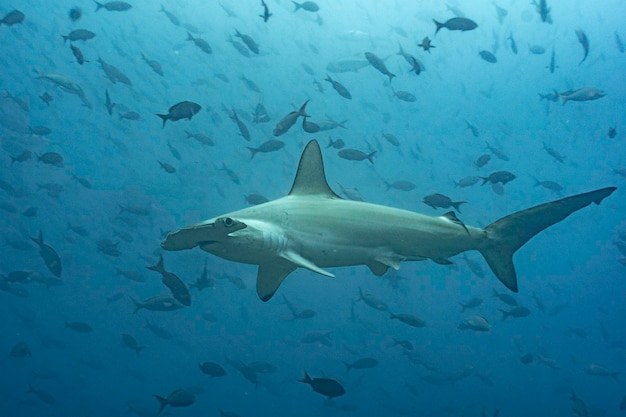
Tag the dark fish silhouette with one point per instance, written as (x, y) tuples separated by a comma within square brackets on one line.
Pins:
[(325, 386), (582, 38), (289, 120), (456, 23), (266, 12), (78, 35), (343, 91), (14, 17), (200, 43), (49, 255), (488, 56), (182, 110), (378, 64), (113, 6), (309, 6), (176, 286)]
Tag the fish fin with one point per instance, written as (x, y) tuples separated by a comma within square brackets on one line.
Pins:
[(162, 402), (271, 275), (507, 235), (390, 260), (302, 110), (165, 118), (454, 219), (310, 177), (378, 268), (301, 261), (307, 379), (457, 205), (159, 267), (439, 26)]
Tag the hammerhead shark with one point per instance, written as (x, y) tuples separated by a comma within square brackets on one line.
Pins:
[(314, 228)]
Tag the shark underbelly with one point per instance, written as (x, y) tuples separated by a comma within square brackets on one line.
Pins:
[(335, 232)]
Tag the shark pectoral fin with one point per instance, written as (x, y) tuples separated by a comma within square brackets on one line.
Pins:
[(377, 268), (271, 275), (301, 261)]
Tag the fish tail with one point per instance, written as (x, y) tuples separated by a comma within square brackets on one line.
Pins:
[(457, 205), (562, 97), (138, 349), (302, 110), (348, 366), (505, 236), (39, 239), (370, 157), (165, 117), (254, 151), (190, 37), (98, 5), (307, 379), (138, 305), (391, 76), (65, 38), (159, 267), (439, 26), (298, 6), (485, 180), (162, 402), (505, 314)]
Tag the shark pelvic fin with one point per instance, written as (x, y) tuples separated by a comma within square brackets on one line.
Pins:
[(378, 268), (390, 260), (271, 275), (310, 177), (507, 235)]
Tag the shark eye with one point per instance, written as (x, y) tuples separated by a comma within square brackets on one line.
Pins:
[(228, 222)]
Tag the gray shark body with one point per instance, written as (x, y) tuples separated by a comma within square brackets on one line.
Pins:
[(314, 228)]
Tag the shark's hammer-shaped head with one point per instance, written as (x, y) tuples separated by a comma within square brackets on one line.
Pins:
[(212, 232)]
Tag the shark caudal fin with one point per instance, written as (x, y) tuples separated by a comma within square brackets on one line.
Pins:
[(507, 235)]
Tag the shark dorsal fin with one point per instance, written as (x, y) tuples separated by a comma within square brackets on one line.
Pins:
[(310, 177)]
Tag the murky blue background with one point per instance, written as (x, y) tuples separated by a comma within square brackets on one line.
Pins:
[(570, 275)]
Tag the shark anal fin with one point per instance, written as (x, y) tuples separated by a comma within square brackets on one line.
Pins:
[(301, 261), (271, 275)]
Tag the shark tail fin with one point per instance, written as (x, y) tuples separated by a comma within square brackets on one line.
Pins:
[(507, 235)]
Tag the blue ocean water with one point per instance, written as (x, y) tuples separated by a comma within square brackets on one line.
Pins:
[(104, 185)]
